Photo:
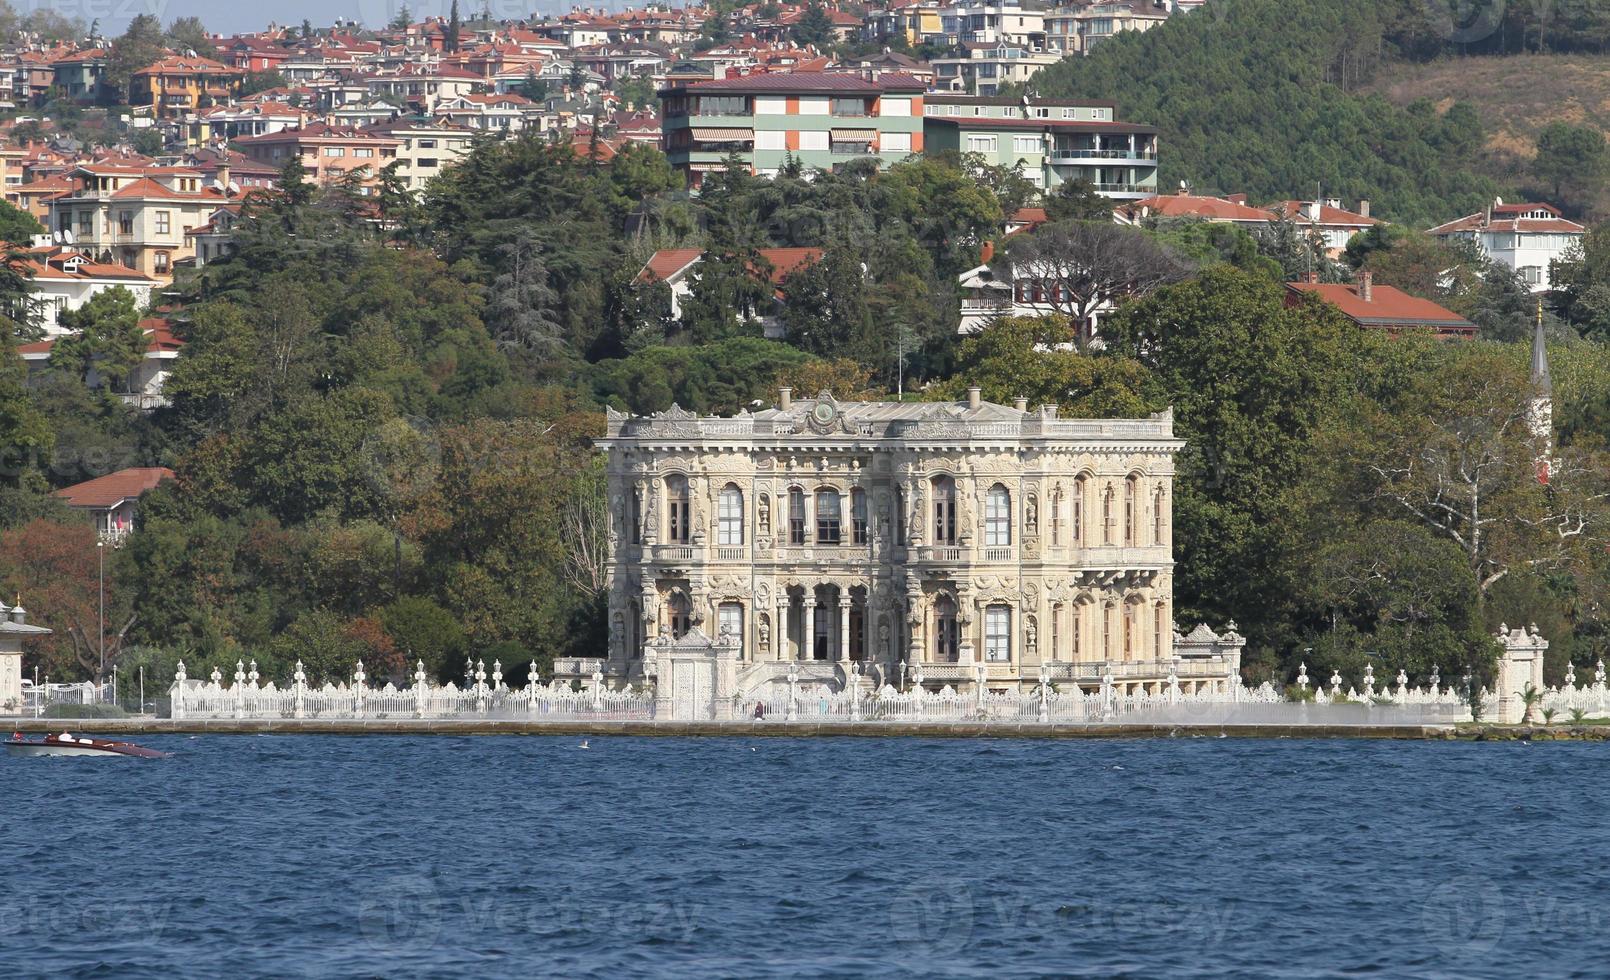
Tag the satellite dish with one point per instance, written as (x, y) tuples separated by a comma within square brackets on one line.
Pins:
[(66, 237)]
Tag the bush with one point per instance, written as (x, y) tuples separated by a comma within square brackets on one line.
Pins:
[(81, 711)]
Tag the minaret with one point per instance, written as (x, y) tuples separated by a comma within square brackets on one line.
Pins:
[(1540, 419)]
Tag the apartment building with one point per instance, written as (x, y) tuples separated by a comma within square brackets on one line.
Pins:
[(820, 119), (136, 217), (985, 67), (174, 87), (327, 152)]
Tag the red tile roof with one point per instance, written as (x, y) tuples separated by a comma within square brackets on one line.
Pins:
[(1387, 308), (670, 262), (811, 82), (1193, 206), (1298, 211), (1510, 218), (114, 488)]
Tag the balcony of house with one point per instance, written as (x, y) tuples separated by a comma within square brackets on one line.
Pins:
[(1097, 152)]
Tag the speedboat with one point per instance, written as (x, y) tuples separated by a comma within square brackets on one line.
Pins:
[(71, 745)]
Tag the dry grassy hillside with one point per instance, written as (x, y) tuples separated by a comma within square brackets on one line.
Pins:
[(1516, 96)]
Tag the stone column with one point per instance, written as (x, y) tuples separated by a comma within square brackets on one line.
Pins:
[(914, 620), (779, 629), (844, 624), (807, 648)]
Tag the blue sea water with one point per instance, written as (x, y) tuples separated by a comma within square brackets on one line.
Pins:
[(768, 857)]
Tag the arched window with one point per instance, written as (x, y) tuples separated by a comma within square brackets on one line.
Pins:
[(1107, 525), (730, 623), (1056, 517), (858, 515), (899, 516), (637, 516), (730, 517), (1159, 637), (998, 634), (947, 631), (1079, 511), (1076, 629), (1159, 536), (997, 517), (1129, 631), (1131, 491), (796, 516), (681, 610), (1107, 613), (677, 509), (828, 516), (944, 510)]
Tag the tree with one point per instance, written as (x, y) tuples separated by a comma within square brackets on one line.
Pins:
[(1077, 200), (190, 34), (56, 570), (18, 226), (1570, 158), (138, 47), (451, 36), (532, 87), (814, 27), (424, 631), (1581, 283), (1032, 358), (1080, 266), (519, 311), (261, 81), (104, 339), (404, 18)]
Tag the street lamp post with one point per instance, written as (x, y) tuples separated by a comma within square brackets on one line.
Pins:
[(100, 628)]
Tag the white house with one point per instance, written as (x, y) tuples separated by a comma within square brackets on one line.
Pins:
[(1525, 237), (63, 279)]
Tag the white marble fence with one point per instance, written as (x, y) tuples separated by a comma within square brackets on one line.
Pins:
[(1573, 702), (485, 695)]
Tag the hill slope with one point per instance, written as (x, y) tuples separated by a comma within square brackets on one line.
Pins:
[(1266, 97)]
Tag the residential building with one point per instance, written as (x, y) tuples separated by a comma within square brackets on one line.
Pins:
[(675, 268), (1053, 141), (143, 387), (1328, 220), (113, 499), (227, 122), (987, 67), (1525, 237), (63, 278), (327, 152), (1078, 28), (422, 86), (820, 119), (1020, 23), (490, 113), (1377, 307), (970, 542), (135, 216), (425, 149), (81, 76), (177, 86)]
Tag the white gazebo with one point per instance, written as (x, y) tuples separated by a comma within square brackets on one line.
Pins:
[(13, 629)]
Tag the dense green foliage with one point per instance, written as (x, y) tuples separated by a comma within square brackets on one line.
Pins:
[(1256, 96)]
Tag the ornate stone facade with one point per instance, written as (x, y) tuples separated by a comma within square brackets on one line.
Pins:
[(942, 534)]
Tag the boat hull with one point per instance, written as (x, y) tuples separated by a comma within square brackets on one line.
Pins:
[(38, 749)]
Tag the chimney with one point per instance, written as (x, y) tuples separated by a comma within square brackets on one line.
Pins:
[(785, 398), (1237, 199), (986, 253), (1364, 208), (1311, 276), (1020, 403), (974, 397), (1366, 286), (1313, 210), (223, 174)]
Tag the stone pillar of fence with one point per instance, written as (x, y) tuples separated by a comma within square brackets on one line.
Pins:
[(1520, 665)]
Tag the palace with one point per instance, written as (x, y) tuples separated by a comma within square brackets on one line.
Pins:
[(953, 542)]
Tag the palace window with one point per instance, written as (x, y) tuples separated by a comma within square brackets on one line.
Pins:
[(827, 516), (858, 515), (681, 614), (944, 510), (857, 633), (1106, 515), (730, 517), (1159, 624), (1079, 511), (899, 517), (730, 622), (1056, 517), (1129, 632), (637, 517), (998, 634), (1131, 490), (1107, 613), (677, 509), (998, 518), (1158, 536), (1076, 629), (947, 631), (796, 516), (1056, 630)]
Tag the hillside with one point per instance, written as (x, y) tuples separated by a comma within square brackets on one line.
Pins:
[(1515, 97), (1269, 97)]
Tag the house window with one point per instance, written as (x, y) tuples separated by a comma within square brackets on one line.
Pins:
[(944, 510), (334, 151), (125, 222), (730, 517), (827, 516), (947, 632), (730, 623), (161, 262), (164, 222), (1025, 144), (858, 515), (428, 163), (998, 634), (998, 518), (981, 144), (849, 107), (677, 507), (86, 224), (363, 152), (796, 516)]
